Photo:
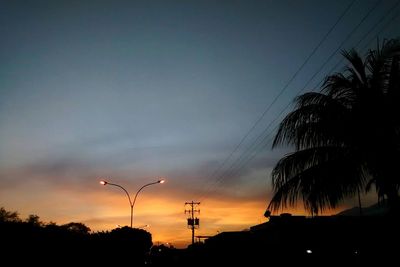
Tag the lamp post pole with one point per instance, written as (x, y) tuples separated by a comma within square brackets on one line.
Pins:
[(140, 189), (132, 204)]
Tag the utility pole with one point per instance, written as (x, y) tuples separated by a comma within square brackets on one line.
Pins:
[(192, 222)]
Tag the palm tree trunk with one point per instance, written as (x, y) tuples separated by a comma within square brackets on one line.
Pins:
[(359, 201)]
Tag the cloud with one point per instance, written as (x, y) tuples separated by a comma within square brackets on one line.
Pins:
[(65, 188)]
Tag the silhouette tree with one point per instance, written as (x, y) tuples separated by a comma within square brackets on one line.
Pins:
[(71, 242), (75, 227), (34, 220), (346, 137), (124, 245), (8, 216)]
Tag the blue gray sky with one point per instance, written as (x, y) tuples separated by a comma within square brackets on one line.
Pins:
[(130, 91)]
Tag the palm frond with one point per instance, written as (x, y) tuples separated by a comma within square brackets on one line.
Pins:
[(357, 68), (379, 63), (294, 163), (341, 88), (320, 186), (312, 98), (347, 134), (393, 89), (312, 124)]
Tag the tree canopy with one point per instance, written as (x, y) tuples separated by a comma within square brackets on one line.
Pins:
[(346, 137)]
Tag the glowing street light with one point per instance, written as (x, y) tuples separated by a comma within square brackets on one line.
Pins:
[(132, 204)]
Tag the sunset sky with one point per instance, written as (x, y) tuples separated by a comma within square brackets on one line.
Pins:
[(131, 91)]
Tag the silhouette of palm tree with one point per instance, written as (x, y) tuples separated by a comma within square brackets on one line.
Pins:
[(346, 137)]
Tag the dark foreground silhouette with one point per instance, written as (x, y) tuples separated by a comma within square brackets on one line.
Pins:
[(284, 240), (36, 244), (299, 241)]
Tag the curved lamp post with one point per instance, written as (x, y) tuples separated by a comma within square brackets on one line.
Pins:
[(132, 204)]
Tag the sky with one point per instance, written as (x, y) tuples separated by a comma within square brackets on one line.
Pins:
[(189, 91)]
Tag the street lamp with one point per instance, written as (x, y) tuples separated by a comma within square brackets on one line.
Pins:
[(132, 204)]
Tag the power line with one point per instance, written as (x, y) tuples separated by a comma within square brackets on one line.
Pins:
[(382, 18), (254, 145), (240, 161), (320, 83), (283, 89), (385, 25)]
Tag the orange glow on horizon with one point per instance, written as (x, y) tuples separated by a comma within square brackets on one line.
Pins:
[(161, 208)]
